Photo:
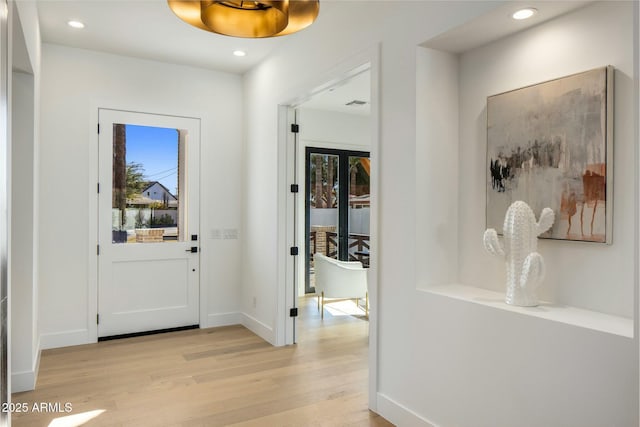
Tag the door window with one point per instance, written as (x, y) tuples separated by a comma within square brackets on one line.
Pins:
[(359, 209), (146, 185), (323, 202)]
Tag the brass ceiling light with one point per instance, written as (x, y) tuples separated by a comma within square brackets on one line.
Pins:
[(249, 19)]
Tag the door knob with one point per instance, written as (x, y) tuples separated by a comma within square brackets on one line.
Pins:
[(193, 249)]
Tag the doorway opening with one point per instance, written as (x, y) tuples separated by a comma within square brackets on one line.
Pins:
[(333, 144), (305, 122)]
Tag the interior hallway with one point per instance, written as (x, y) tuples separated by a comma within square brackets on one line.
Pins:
[(213, 377)]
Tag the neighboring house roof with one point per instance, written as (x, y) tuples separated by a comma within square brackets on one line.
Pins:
[(152, 183), (143, 200)]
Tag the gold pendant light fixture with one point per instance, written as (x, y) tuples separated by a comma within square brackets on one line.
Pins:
[(249, 19)]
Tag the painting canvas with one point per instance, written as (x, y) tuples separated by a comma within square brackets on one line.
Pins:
[(550, 145)]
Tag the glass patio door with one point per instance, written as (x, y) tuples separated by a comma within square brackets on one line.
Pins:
[(337, 207)]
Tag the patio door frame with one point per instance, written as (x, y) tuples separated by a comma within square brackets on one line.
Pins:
[(342, 199)]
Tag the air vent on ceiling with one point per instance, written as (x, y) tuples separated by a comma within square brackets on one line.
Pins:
[(356, 102)]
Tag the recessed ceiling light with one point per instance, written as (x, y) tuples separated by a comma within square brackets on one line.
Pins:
[(239, 53), (75, 24), (525, 13)]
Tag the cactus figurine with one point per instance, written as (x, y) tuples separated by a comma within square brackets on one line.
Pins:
[(525, 266)]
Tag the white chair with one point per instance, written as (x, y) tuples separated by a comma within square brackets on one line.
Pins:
[(339, 280)]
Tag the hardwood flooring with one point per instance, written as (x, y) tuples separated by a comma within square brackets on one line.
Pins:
[(209, 377)]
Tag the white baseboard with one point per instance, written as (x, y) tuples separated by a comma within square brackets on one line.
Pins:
[(81, 336), (257, 327), (26, 380), (65, 339), (23, 381), (223, 319), (400, 415)]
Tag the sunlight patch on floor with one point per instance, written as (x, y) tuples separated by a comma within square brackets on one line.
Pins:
[(343, 308), (76, 419)]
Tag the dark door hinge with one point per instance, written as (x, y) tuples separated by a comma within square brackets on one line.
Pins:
[(98, 188), (98, 250), (293, 250), (293, 312), (97, 319), (98, 128), (295, 128), (295, 188)]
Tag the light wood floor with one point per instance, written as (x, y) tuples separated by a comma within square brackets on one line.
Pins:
[(212, 377)]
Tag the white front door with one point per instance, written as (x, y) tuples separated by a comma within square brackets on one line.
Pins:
[(148, 262)]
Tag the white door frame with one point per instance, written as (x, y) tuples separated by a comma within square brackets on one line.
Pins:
[(91, 333), (287, 292)]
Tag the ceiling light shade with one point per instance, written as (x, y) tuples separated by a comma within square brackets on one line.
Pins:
[(248, 19)]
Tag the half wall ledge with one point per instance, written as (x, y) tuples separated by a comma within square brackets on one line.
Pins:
[(614, 325)]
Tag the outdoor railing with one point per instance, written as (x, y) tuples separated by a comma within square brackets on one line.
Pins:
[(331, 244), (358, 247), (312, 243)]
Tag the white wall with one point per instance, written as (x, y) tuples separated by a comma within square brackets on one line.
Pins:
[(331, 129), (25, 81), (512, 368), (437, 170), (440, 359), (23, 280), (337, 43), (592, 276), (75, 83)]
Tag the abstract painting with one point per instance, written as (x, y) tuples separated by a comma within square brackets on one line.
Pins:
[(550, 145)]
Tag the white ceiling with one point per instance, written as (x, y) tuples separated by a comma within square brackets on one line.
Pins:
[(149, 29), (497, 24), (146, 29), (337, 96)]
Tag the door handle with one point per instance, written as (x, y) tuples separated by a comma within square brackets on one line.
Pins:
[(193, 249)]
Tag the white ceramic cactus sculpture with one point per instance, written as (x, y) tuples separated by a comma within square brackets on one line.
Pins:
[(525, 266)]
